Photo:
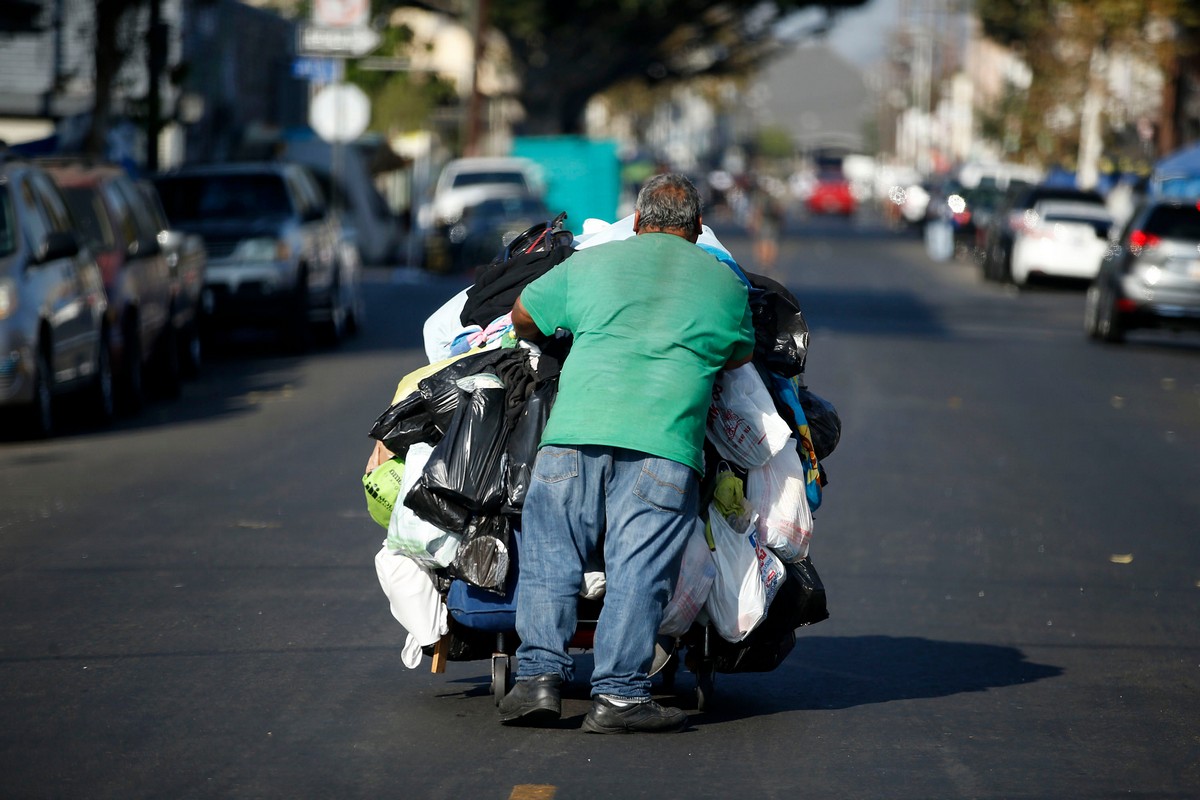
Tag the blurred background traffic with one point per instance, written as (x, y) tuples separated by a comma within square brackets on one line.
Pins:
[(178, 170)]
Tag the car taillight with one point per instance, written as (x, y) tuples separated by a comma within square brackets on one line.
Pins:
[(1140, 239), (962, 217)]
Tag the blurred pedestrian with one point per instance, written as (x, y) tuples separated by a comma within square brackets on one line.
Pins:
[(654, 318), (766, 224)]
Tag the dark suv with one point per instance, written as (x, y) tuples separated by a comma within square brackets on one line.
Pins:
[(276, 256), (53, 328), (1151, 277), (1009, 217)]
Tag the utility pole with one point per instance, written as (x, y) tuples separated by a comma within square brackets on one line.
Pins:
[(156, 62), (475, 103)]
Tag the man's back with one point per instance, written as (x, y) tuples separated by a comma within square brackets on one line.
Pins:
[(654, 318)]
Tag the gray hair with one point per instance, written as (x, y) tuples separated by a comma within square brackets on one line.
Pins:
[(670, 202)]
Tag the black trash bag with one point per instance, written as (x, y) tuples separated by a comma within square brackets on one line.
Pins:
[(800, 601), (486, 554), (404, 423), (780, 330), (824, 423), (523, 445), (437, 510), (424, 414), (466, 466)]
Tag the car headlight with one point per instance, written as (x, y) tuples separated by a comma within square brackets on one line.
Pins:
[(264, 248), (8, 298)]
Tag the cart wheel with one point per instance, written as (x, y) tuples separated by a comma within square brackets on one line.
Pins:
[(500, 670), (705, 689)]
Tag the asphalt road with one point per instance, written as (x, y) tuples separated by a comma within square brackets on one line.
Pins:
[(189, 608)]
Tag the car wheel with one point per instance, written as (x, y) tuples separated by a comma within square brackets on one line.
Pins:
[(170, 372), (1091, 321), (132, 395), (297, 328), (102, 400), (1109, 326), (191, 350), (335, 329), (41, 410)]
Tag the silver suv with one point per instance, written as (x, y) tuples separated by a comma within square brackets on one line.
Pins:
[(53, 334), (276, 256), (1151, 276)]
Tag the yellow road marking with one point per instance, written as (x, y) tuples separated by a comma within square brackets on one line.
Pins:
[(533, 791)]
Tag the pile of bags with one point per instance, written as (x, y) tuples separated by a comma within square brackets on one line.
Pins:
[(456, 445)]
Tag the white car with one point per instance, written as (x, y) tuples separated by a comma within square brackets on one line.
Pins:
[(463, 182), (1060, 239)]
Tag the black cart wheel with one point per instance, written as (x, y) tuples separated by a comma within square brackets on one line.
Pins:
[(705, 680), (500, 676)]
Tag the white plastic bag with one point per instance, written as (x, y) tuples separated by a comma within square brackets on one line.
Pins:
[(696, 574), (776, 491), (748, 577), (422, 541), (415, 602), (743, 424)]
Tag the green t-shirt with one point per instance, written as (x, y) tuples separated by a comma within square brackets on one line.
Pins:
[(654, 318)]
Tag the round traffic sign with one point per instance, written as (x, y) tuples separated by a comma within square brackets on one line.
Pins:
[(339, 112)]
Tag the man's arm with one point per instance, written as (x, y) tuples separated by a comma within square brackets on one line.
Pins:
[(734, 363), (523, 324)]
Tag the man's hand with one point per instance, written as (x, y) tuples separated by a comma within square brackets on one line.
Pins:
[(523, 324)]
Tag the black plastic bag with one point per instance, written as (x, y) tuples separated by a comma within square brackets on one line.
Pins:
[(465, 467), (404, 423), (437, 510), (780, 330), (523, 445), (486, 555), (424, 414), (824, 423)]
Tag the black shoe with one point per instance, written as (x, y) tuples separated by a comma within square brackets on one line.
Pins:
[(533, 701), (644, 717)]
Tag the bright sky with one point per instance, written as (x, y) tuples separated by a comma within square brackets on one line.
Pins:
[(860, 35)]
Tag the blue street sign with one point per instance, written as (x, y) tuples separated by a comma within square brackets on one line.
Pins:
[(317, 70)]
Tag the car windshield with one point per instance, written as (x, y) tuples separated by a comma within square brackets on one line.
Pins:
[(8, 227), (90, 221), (480, 178), (200, 197), (1174, 222)]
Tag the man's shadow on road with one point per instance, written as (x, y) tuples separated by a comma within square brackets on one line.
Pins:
[(843, 672)]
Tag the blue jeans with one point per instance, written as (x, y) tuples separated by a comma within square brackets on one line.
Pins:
[(644, 508)]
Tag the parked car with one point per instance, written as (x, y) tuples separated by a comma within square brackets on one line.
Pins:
[(114, 221), (188, 263), (482, 231), (54, 333), (971, 221), (276, 257), (465, 181), (1060, 239), (1151, 278), (831, 194), (1010, 217)]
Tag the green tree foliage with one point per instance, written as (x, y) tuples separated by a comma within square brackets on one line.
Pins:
[(565, 53), (1061, 41)]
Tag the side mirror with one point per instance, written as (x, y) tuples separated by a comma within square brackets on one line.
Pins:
[(57, 244)]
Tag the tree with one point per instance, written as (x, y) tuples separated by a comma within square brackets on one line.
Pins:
[(1066, 43), (114, 41), (565, 53)]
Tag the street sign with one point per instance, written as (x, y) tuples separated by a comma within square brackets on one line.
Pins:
[(346, 42), (339, 112), (317, 70), (341, 13)]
